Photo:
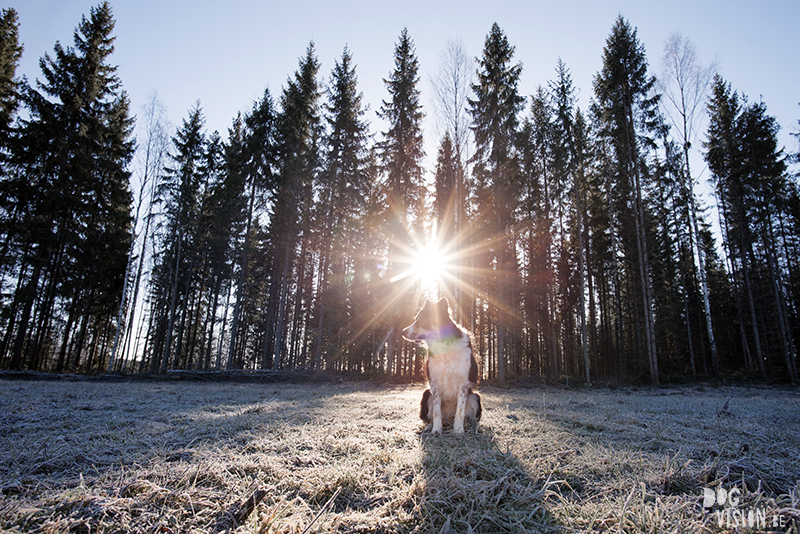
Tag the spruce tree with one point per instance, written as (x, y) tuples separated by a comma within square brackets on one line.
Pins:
[(447, 172), (401, 152), (537, 202), (298, 134), (628, 113), (10, 54), (254, 159), (75, 148), (495, 109), (180, 193), (750, 178), (342, 188), (722, 156), (401, 148), (446, 206)]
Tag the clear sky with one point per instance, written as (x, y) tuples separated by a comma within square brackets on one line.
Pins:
[(225, 54)]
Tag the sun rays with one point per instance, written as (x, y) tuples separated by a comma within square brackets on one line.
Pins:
[(428, 266)]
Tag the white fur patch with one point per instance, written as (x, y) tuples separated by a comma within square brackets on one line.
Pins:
[(448, 366)]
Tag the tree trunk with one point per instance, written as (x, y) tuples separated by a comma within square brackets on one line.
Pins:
[(783, 328), (173, 300), (581, 286), (22, 327), (644, 266)]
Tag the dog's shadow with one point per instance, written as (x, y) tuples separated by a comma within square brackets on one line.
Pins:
[(471, 485)]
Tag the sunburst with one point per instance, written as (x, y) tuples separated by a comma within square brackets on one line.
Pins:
[(427, 265)]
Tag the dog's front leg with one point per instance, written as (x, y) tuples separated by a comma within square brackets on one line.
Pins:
[(458, 423), (436, 398)]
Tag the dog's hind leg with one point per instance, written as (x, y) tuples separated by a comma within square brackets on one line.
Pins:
[(424, 407), (458, 423), (437, 410), (474, 408)]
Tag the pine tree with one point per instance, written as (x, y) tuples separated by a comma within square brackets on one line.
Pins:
[(495, 124), (401, 153), (749, 174), (298, 135), (73, 155), (628, 112), (342, 188)]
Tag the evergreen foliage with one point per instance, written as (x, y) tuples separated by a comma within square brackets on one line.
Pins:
[(574, 245), (71, 202), (627, 111)]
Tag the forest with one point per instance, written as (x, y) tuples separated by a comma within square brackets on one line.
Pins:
[(572, 243)]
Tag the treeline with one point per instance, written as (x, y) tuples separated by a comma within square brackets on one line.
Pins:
[(574, 241)]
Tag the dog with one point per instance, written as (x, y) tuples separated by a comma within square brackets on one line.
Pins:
[(451, 368)]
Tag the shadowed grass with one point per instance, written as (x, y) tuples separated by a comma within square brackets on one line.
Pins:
[(202, 457)]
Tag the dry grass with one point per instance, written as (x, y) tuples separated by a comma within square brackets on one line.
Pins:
[(89, 456)]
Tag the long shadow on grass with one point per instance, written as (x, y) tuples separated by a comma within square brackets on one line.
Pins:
[(640, 460), (474, 486)]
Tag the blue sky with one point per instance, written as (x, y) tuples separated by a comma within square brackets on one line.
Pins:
[(226, 53)]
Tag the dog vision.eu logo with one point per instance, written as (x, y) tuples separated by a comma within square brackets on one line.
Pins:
[(724, 504)]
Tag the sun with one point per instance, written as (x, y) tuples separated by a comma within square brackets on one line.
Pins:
[(429, 263)]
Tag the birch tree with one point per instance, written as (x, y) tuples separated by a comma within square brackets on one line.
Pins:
[(684, 85)]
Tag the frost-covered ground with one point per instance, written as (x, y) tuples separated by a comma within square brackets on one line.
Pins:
[(89, 456)]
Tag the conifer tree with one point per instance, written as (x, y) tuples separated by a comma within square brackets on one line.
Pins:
[(563, 188), (537, 213), (749, 174), (73, 189), (446, 176), (401, 152), (627, 106), (255, 159), (495, 124), (447, 179), (298, 135), (342, 188), (180, 193), (10, 54)]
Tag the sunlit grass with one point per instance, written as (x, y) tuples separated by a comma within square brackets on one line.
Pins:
[(185, 457)]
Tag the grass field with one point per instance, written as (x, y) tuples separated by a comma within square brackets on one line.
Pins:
[(90, 456)]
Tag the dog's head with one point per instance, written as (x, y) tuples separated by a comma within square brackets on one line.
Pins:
[(432, 322)]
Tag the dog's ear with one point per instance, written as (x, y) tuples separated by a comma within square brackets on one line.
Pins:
[(443, 309)]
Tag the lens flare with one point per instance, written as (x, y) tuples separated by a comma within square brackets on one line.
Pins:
[(430, 266)]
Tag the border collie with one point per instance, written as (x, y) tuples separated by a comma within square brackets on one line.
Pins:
[(451, 368)]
